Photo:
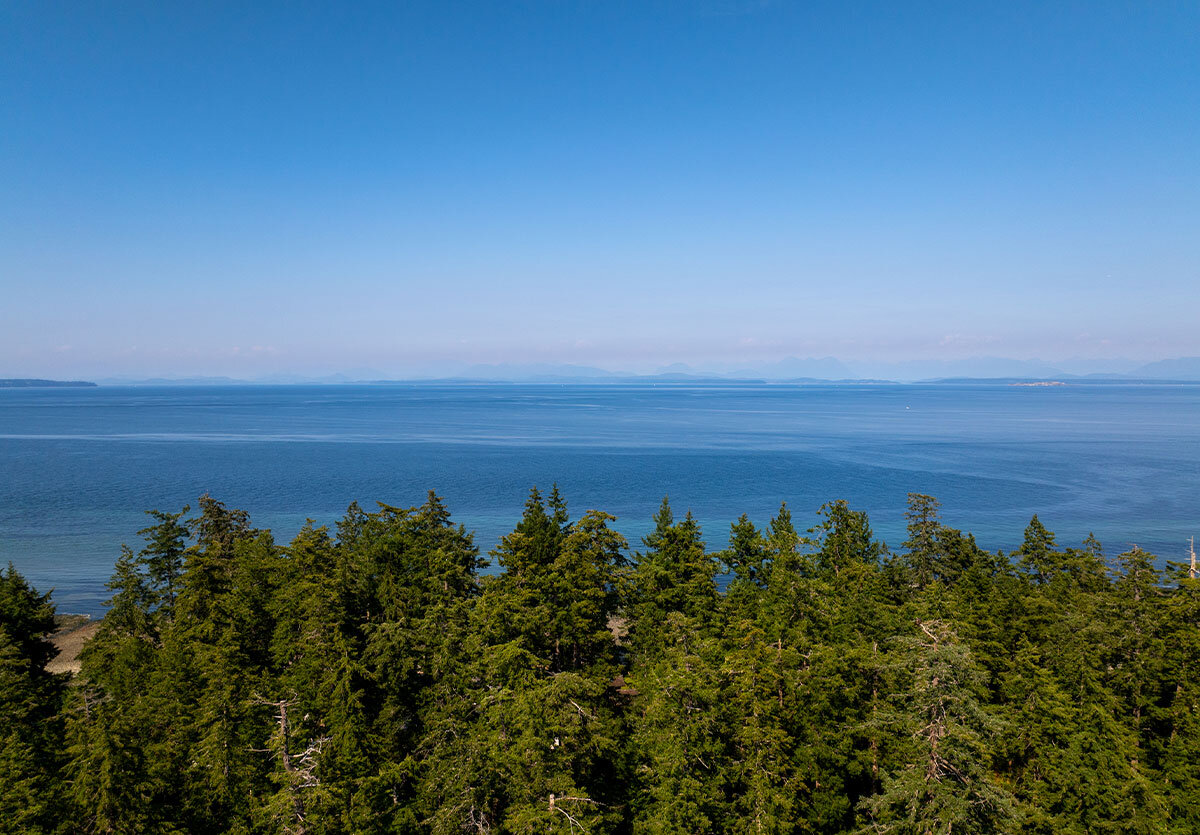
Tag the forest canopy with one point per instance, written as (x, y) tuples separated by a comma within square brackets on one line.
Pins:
[(801, 679)]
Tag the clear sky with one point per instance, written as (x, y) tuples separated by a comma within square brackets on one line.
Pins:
[(248, 188)]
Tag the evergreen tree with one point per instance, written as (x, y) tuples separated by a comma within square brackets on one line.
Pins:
[(747, 559), (1177, 748), (924, 525), (1038, 557), (674, 574), (163, 557), (541, 748), (945, 784), (681, 735), (762, 772), (844, 538), (31, 699)]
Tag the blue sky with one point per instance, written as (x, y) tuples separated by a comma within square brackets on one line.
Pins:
[(206, 188)]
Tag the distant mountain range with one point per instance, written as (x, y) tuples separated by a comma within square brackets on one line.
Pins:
[(789, 370), (1181, 368)]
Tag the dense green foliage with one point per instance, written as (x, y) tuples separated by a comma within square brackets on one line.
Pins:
[(370, 679)]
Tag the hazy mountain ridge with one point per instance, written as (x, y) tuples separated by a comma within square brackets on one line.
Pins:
[(1180, 368), (793, 370)]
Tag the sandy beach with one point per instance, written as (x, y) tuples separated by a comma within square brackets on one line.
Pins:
[(75, 631)]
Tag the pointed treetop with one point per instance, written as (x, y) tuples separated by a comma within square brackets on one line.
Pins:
[(534, 521), (217, 527), (350, 526), (1038, 553), (1037, 538), (535, 510), (167, 524), (434, 510), (844, 537), (923, 522), (689, 521), (783, 532), (558, 507), (743, 534), (747, 555), (664, 520), (129, 606), (163, 556)]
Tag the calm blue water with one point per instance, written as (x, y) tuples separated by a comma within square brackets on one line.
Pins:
[(78, 466)]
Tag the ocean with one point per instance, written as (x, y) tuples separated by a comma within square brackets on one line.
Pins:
[(79, 466)]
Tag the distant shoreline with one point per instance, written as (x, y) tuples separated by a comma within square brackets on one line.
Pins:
[(654, 381), (21, 383)]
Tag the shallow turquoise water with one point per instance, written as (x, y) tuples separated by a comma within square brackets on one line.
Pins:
[(77, 466)]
